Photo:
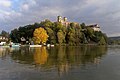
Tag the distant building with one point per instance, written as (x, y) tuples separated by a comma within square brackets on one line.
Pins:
[(64, 21), (95, 27), (23, 40), (2, 43), (2, 38)]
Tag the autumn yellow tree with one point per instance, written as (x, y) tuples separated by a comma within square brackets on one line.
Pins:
[(40, 36)]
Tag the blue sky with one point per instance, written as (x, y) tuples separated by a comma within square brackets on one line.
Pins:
[(106, 13)]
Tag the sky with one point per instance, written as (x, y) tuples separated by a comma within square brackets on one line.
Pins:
[(105, 13)]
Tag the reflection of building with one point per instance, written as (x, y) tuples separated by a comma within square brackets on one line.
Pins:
[(97, 60), (3, 52)]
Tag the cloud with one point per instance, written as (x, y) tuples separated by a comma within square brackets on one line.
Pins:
[(5, 3), (25, 7), (15, 13)]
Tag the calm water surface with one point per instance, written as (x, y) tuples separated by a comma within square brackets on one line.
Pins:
[(60, 63)]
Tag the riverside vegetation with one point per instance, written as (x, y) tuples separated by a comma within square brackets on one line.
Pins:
[(56, 33)]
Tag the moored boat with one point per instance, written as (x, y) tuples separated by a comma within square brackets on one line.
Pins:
[(15, 45), (35, 46)]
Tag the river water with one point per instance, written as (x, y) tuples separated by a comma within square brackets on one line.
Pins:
[(60, 63)]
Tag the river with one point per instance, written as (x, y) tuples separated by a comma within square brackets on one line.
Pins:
[(60, 63)]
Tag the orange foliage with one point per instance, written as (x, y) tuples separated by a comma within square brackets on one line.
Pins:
[(40, 36)]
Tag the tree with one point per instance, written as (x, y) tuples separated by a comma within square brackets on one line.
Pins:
[(70, 37), (57, 27), (102, 41), (78, 35), (46, 23), (5, 34), (15, 36), (83, 25), (51, 34), (40, 36), (60, 37), (98, 36)]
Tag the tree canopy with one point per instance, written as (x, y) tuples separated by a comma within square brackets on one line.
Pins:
[(40, 36)]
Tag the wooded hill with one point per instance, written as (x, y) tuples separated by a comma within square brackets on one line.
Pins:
[(72, 34)]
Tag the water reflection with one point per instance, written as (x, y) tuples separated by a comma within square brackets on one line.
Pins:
[(40, 56), (62, 58), (56, 56), (24, 55), (4, 52), (66, 57)]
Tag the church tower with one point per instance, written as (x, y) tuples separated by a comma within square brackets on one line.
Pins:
[(65, 19), (59, 19)]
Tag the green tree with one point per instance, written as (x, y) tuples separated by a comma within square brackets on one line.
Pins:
[(83, 25), (102, 41), (46, 23), (70, 37), (5, 34), (78, 35), (60, 37), (15, 37), (57, 27), (51, 34)]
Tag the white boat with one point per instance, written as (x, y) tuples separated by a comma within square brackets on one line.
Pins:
[(52, 45), (35, 45), (2, 43), (15, 45), (48, 45)]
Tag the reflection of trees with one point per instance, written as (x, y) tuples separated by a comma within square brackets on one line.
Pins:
[(26, 55), (40, 55), (61, 57), (65, 57), (4, 52), (92, 54), (23, 55)]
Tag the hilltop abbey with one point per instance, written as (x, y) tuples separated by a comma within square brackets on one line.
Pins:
[(65, 22)]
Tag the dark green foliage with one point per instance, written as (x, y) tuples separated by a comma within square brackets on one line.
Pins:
[(52, 36), (15, 36), (102, 41), (96, 37), (83, 25), (60, 37), (4, 33), (74, 35), (70, 37), (46, 23)]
